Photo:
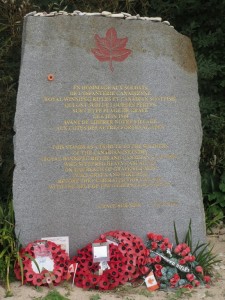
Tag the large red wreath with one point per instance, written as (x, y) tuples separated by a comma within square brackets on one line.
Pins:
[(44, 277), (127, 262)]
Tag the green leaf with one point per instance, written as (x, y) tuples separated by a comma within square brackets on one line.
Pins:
[(175, 233), (2, 27), (21, 267), (3, 252), (198, 246), (222, 187), (188, 237), (34, 260), (1, 214)]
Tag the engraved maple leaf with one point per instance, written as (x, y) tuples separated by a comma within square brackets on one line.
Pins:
[(111, 48)]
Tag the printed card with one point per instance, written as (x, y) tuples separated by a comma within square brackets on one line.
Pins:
[(100, 252)]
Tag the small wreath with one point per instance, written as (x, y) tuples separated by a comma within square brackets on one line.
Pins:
[(127, 262), (30, 267)]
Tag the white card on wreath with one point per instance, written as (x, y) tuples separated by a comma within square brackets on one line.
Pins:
[(42, 258), (100, 252)]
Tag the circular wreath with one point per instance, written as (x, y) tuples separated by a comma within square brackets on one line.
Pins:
[(176, 267), (31, 272), (127, 262)]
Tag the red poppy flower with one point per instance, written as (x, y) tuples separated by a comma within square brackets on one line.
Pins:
[(192, 258), (184, 253), (158, 259), (141, 260), (174, 279), (159, 237), (144, 270), (190, 277), (131, 269), (94, 279), (163, 247), (154, 245), (30, 276), (146, 252), (207, 279), (158, 267), (196, 283), (135, 275), (37, 280), (17, 272), (123, 280), (151, 236), (79, 282), (29, 248), (113, 273), (184, 246), (187, 258), (188, 250), (113, 285), (58, 279), (199, 269), (54, 248), (151, 260), (177, 249), (58, 272), (166, 241), (87, 283), (122, 248), (188, 286), (25, 256), (27, 268), (182, 261), (104, 283), (158, 273)]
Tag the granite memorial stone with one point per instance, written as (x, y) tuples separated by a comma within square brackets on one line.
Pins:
[(108, 130)]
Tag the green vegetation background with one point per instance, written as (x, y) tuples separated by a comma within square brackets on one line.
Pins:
[(201, 20)]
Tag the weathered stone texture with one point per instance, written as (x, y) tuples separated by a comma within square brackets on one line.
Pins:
[(99, 150)]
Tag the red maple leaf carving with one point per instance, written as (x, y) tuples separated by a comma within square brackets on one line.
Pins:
[(110, 48)]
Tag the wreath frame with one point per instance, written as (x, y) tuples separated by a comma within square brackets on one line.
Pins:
[(23, 267), (127, 262)]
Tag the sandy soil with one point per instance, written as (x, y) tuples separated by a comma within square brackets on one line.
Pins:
[(216, 290)]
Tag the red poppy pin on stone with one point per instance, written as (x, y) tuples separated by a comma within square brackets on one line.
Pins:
[(51, 77)]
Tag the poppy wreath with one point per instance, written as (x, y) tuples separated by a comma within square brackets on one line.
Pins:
[(42, 277), (174, 267), (128, 259)]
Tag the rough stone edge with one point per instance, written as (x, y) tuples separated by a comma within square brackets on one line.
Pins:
[(106, 14)]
